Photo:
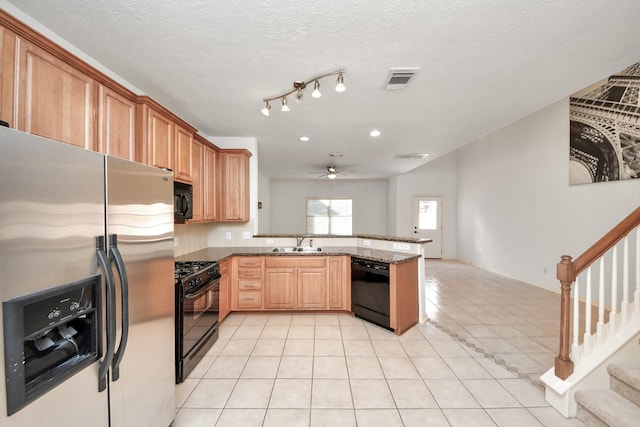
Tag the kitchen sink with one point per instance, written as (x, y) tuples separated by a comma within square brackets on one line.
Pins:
[(291, 249)]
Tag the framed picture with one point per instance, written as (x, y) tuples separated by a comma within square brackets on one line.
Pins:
[(604, 130)]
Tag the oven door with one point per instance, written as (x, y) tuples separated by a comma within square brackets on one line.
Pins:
[(199, 314)]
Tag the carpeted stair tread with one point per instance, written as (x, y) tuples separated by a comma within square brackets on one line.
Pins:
[(628, 373), (610, 407)]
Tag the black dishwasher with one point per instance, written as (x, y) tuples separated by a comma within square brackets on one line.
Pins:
[(370, 291)]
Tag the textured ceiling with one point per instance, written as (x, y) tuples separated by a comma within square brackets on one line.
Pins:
[(484, 64)]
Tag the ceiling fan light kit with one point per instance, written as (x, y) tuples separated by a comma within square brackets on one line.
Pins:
[(299, 86)]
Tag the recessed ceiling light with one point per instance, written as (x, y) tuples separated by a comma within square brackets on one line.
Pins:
[(374, 133), (304, 138)]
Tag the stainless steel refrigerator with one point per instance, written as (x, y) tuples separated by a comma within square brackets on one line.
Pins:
[(87, 288)]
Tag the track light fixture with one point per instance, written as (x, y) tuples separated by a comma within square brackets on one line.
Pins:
[(266, 109), (299, 86)]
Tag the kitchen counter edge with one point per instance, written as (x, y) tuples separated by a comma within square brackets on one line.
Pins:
[(221, 253), (359, 236)]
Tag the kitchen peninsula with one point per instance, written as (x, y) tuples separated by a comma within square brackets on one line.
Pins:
[(270, 274)]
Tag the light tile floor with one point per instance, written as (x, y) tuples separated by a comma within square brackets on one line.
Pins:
[(336, 370)]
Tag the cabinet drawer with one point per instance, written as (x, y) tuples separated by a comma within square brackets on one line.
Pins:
[(249, 284), (295, 261), (249, 299), (249, 261), (249, 273)]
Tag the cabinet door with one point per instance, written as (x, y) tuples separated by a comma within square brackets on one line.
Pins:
[(279, 288), (225, 291), (211, 184), (235, 188), (184, 155), (7, 75), (116, 124), (55, 100), (312, 288), (198, 182), (160, 140), (339, 295)]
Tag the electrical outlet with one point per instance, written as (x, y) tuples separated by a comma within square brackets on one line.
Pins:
[(269, 241), (246, 234), (227, 235), (366, 242), (406, 246), (176, 242), (397, 246)]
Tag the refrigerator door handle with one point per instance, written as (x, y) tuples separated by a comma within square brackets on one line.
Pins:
[(111, 313), (116, 257)]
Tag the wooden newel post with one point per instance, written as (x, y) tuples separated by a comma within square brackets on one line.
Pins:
[(566, 274)]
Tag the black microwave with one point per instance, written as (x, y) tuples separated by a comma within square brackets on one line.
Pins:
[(182, 201)]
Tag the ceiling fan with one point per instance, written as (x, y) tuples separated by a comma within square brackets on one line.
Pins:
[(332, 172)]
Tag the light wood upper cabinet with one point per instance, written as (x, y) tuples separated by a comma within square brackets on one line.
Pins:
[(184, 155), (197, 175), (211, 194), (235, 185), (157, 139), (116, 124), (7, 74), (54, 99)]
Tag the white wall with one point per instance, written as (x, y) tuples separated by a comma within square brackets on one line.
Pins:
[(517, 213), (264, 196), (288, 209), (436, 178)]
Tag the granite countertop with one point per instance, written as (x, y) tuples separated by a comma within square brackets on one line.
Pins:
[(220, 253), (360, 236)]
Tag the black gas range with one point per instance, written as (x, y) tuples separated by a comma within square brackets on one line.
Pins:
[(197, 310)]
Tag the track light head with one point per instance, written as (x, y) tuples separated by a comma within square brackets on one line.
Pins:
[(285, 106), (266, 109), (340, 87), (316, 90)]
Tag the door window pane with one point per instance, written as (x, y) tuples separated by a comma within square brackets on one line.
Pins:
[(428, 215)]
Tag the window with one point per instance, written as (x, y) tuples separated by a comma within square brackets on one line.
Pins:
[(329, 216)]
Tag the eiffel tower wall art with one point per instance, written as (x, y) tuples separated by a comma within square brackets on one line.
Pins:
[(605, 130)]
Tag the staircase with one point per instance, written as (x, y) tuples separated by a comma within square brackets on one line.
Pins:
[(619, 405), (600, 331)]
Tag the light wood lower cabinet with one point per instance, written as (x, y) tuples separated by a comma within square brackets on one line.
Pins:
[(225, 291), (290, 283), (403, 295), (296, 283), (339, 283), (246, 283), (279, 288)]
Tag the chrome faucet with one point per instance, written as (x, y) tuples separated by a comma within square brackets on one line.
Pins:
[(310, 243), (299, 240)]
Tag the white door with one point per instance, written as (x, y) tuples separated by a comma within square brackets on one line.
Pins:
[(427, 223)]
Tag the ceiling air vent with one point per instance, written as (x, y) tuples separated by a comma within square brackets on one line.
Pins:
[(399, 78), (411, 156)]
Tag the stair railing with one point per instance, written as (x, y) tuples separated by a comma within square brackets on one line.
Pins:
[(568, 272)]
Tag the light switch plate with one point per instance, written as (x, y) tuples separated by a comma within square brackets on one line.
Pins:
[(366, 242), (246, 234), (176, 242), (227, 235)]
